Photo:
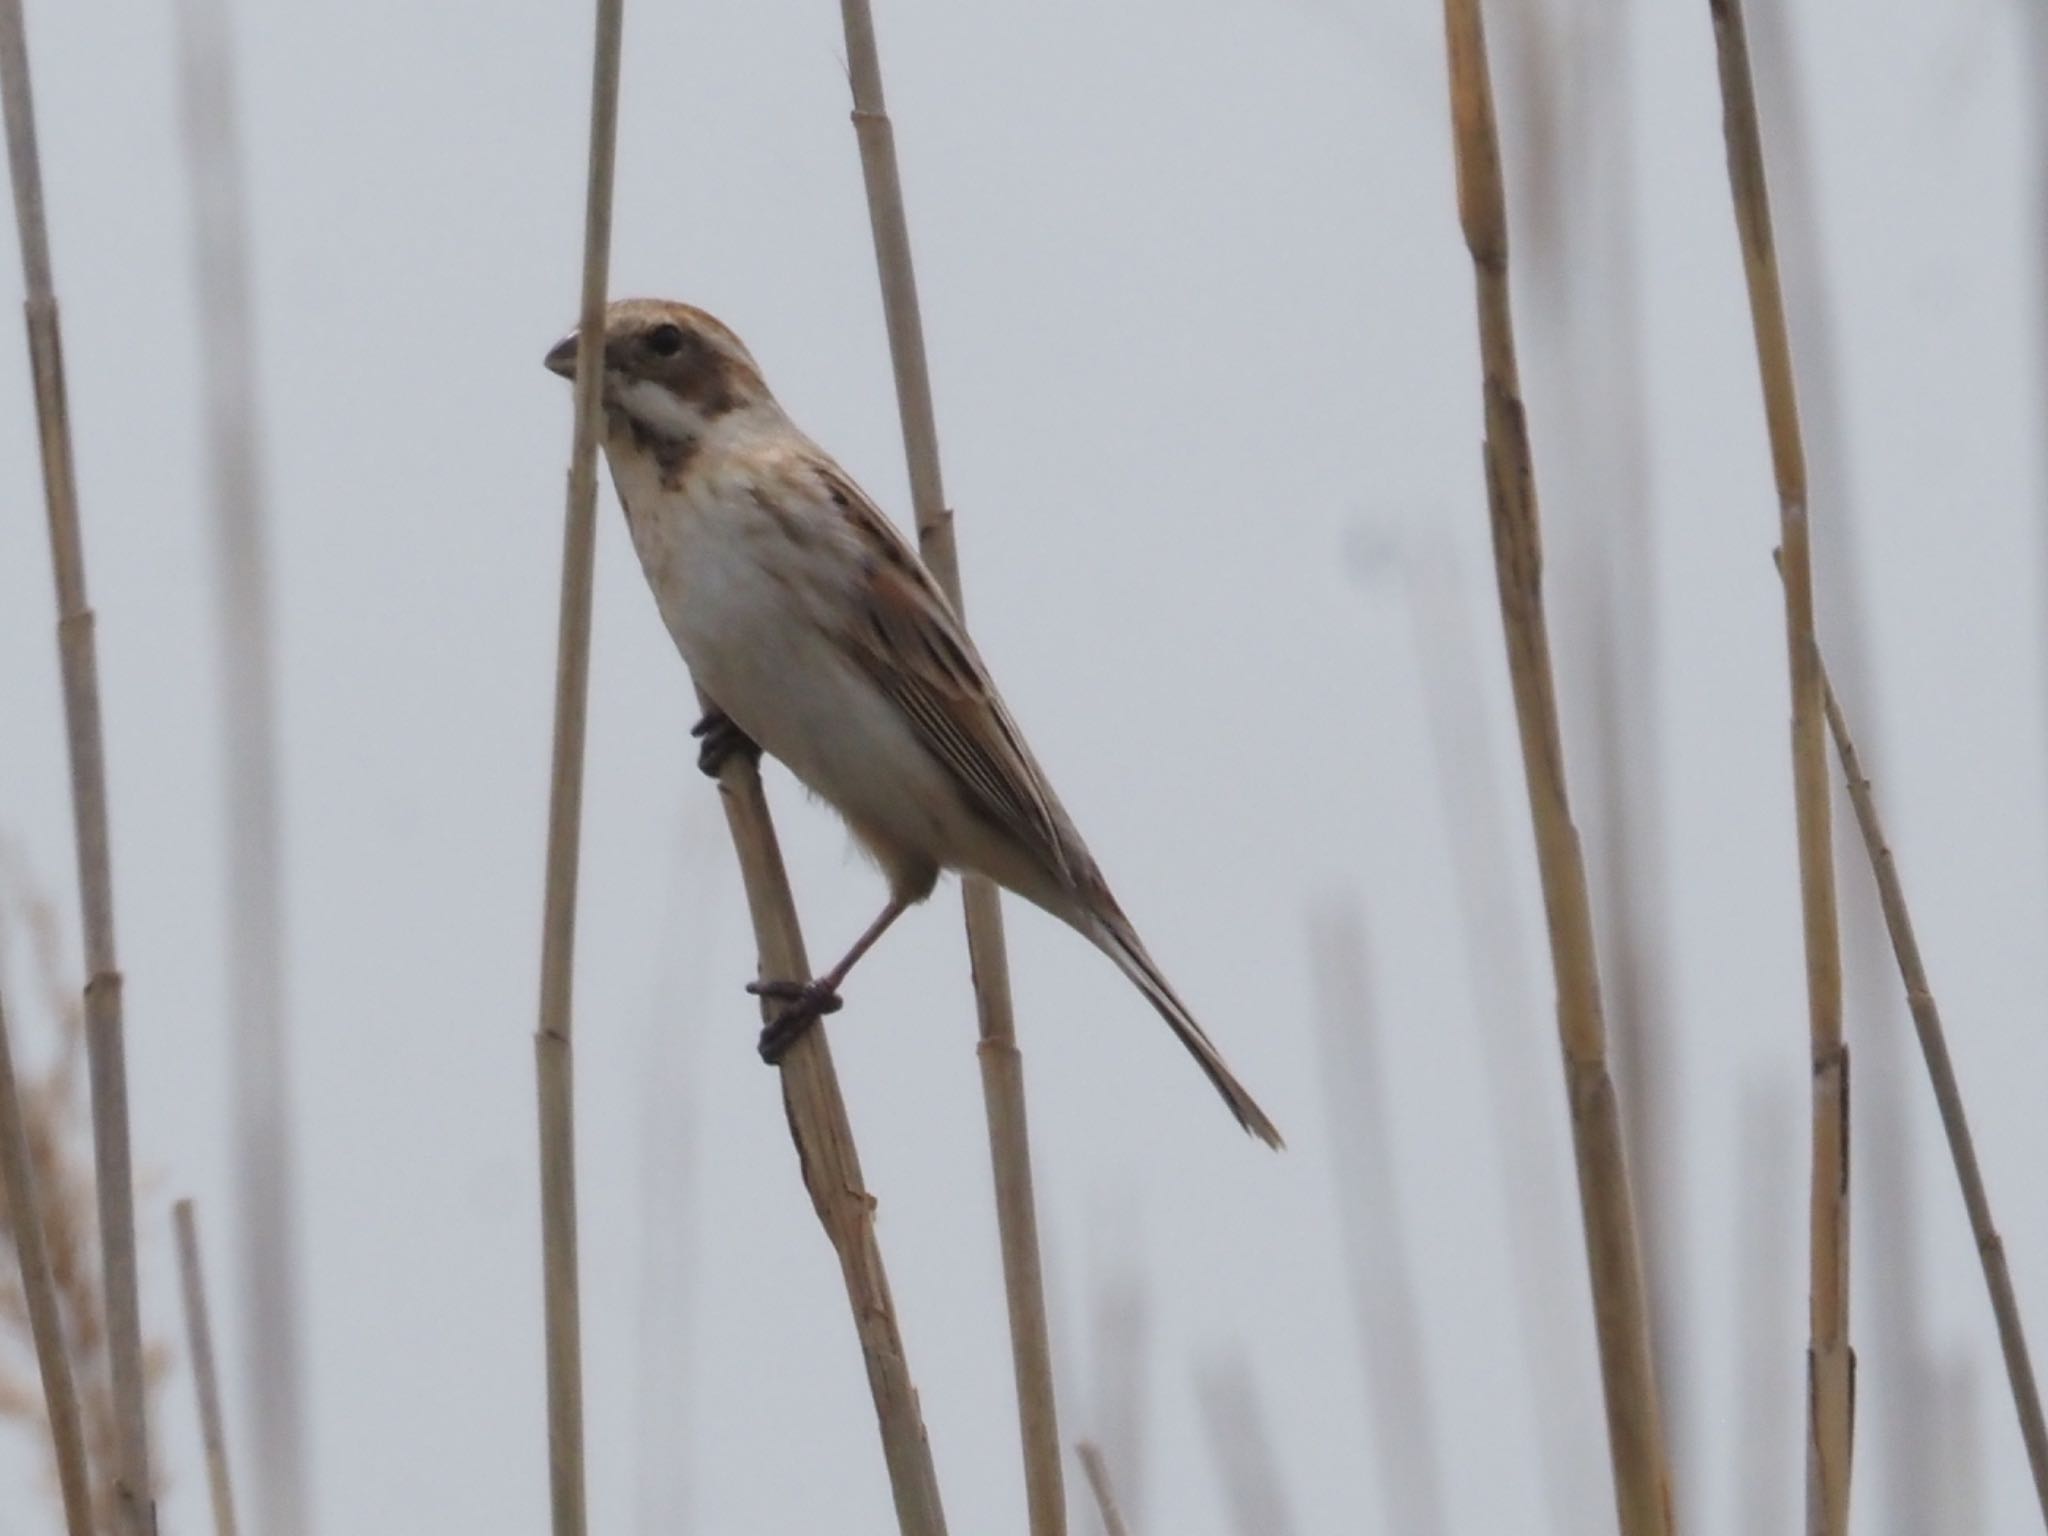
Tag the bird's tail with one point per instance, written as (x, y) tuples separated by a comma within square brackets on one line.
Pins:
[(1115, 938)]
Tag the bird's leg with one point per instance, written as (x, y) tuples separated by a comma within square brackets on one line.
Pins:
[(720, 739), (810, 1001)]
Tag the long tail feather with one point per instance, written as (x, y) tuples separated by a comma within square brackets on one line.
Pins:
[(1120, 943)]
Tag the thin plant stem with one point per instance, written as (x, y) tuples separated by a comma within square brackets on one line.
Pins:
[(828, 1158), (1613, 1251), (1948, 1098), (1831, 1365), (39, 1287), (205, 1378), (264, 1155), (551, 1041), (1096, 1469), (1896, 1321), (1462, 755), (135, 1514), (1002, 1067)]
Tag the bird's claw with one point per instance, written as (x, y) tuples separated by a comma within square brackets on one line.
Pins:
[(719, 740), (809, 1001)]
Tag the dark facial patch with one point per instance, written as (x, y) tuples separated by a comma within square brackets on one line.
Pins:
[(697, 369), (671, 454)]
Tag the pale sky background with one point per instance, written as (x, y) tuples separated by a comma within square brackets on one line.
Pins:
[(1198, 311)]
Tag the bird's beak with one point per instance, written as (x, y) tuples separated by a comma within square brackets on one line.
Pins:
[(562, 358)]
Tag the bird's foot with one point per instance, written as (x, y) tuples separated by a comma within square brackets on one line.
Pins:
[(719, 739), (809, 1001)]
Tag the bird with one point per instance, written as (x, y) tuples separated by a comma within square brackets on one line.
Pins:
[(816, 634)]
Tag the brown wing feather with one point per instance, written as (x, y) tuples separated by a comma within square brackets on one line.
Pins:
[(914, 646)]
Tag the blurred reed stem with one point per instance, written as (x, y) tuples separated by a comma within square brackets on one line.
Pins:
[(1613, 1252), (828, 1158), (1462, 754), (551, 1041), (1097, 1470), (113, 1169), (1002, 1067), (1830, 1361), (1948, 1097), (1390, 1325), (264, 1160), (1120, 1350), (39, 1288), (1241, 1450), (205, 1378)]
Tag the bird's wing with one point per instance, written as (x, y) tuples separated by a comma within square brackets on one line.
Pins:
[(910, 641)]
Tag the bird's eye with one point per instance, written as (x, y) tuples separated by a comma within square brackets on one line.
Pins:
[(665, 340)]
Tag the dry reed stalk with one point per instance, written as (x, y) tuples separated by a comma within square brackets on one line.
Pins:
[(1002, 1067), (87, 750), (828, 1158), (1614, 1259), (1593, 266), (1097, 1470), (1948, 1096), (1397, 1378), (39, 1288), (1462, 753), (1894, 1315), (551, 1040), (205, 1378), (1830, 1361), (264, 1153)]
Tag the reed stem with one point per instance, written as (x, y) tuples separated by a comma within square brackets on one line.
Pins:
[(1002, 1067), (205, 1378), (106, 1050), (264, 1159), (1097, 1471), (1948, 1097), (554, 1060), (828, 1158), (1831, 1363), (39, 1287), (1613, 1250)]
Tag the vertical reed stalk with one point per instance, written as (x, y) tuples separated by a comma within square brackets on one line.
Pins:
[(205, 1379), (551, 1041), (1830, 1361), (39, 1287), (113, 1169), (1948, 1098), (264, 1155), (1002, 1067), (1462, 753), (1614, 1259), (1097, 1470), (829, 1161)]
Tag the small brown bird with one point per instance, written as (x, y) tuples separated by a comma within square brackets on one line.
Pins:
[(818, 634)]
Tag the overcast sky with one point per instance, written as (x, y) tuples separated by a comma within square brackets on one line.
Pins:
[(1198, 313)]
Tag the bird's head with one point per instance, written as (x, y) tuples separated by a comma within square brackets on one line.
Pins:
[(671, 373)]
